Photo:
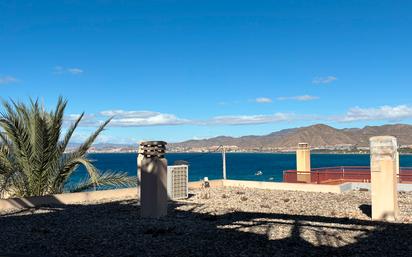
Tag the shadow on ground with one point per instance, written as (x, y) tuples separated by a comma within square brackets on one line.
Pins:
[(116, 229), (366, 209)]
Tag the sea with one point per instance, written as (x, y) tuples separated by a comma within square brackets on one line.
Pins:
[(241, 166)]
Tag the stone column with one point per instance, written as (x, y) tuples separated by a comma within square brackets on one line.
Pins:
[(383, 178), (139, 170), (224, 162), (303, 162), (397, 163), (152, 168)]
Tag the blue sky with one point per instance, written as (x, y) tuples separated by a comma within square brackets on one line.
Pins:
[(177, 70)]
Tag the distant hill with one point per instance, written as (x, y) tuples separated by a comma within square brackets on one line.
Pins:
[(402, 132), (318, 135)]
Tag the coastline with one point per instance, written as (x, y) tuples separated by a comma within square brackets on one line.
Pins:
[(246, 152)]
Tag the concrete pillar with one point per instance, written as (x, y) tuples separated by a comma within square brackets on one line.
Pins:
[(152, 167), (303, 162), (224, 162), (397, 163), (383, 178), (139, 170)]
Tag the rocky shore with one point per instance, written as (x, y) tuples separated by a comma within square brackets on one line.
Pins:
[(213, 222)]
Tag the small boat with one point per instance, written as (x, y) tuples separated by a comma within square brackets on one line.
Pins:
[(271, 178), (259, 173)]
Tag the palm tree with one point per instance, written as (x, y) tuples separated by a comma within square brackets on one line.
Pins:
[(33, 158)]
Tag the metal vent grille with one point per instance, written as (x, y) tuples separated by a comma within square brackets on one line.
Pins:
[(177, 181)]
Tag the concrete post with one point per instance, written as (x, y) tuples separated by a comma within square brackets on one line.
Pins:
[(224, 161), (397, 163), (139, 169), (303, 163), (383, 178), (152, 167)]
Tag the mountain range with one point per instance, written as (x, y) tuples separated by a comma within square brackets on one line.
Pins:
[(319, 135)]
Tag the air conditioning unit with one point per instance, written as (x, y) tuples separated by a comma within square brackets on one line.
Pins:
[(177, 181)]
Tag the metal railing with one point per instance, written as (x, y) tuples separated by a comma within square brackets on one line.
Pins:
[(340, 174)]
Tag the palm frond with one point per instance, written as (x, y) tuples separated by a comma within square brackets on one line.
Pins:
[(106, 179), (89, 141), (32, 153), (69, 134)]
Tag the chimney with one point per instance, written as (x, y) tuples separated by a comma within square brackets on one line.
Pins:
[(303, 162), (152, 169), (384, 166)]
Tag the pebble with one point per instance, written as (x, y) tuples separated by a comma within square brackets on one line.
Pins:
[(216, 222)]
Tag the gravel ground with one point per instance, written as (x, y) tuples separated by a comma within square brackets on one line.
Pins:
[(213, 222)]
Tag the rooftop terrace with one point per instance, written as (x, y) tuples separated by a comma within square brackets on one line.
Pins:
[(220, 221), (341, 174)]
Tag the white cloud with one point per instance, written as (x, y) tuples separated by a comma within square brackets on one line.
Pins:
[(142, 118), (81, 136), (63, 70), (88, 120), (7, 80), (324, 80), (298, 98), (128, 114), (104, 138), (74, 71), (122, 118), (386, 112), (251, 119), (263, 100)]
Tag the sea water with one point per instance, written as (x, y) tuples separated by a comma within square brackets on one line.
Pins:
[(242, 166)]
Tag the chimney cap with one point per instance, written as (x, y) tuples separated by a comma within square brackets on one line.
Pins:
[(153, 143)]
